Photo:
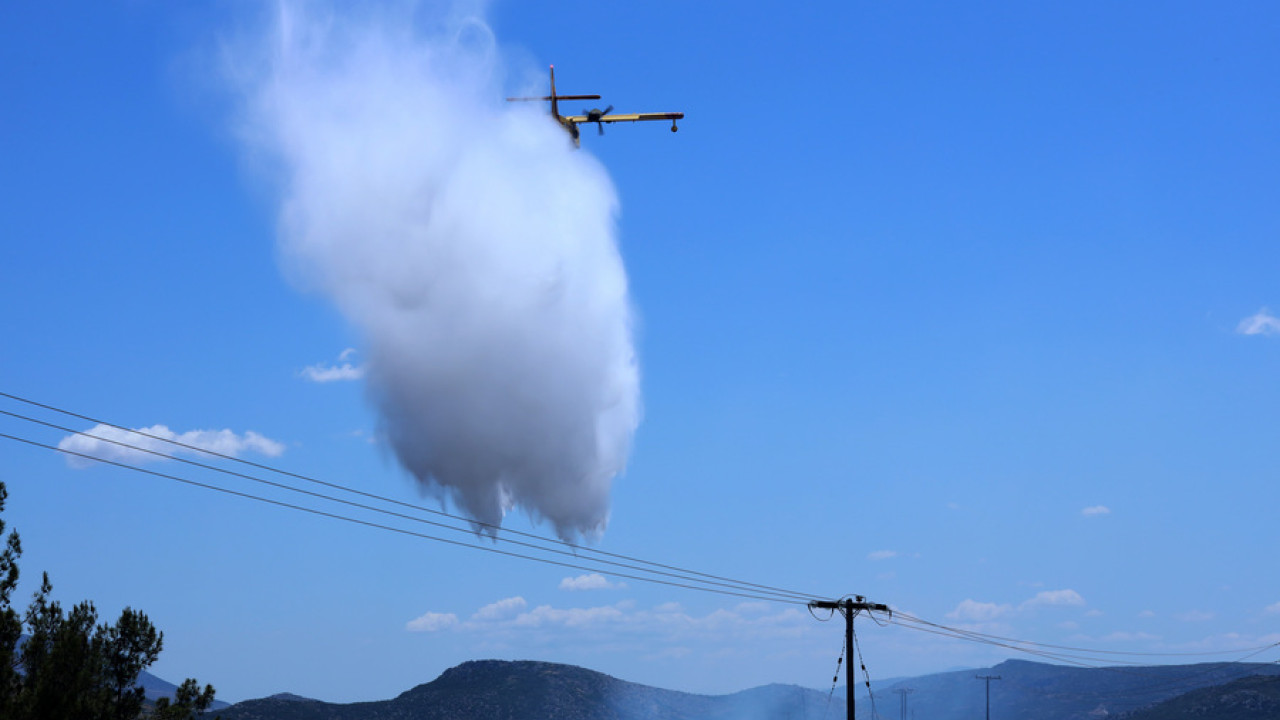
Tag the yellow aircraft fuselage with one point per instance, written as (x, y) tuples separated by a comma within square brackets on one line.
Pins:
[(571, 122)]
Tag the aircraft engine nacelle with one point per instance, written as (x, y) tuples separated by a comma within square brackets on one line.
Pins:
[(673, 126)]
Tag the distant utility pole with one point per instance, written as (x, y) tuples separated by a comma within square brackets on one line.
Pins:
[(849, 608), (904, 692), (988, 678)]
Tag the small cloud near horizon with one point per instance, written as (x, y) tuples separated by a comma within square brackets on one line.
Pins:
[(978, 611), (1095, 511), (1263, 323), (502, 609), (594, 581), (432, 622), (1272, 609), (667, 624), (158, 442), (882, 554), (342, 372), (1055, 598)]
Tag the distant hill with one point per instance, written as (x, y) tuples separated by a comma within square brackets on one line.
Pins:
[(1038, 691), (528, 690), (1249, 698), (289, 697)]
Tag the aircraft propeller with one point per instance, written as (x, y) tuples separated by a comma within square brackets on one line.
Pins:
[(594, 115)]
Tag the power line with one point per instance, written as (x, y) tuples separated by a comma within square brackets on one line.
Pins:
[(440, 513), (391, 513), (1088, 660), (390, 528), (910, 618), (1067, 659), (1095, 663), (866, 676), (835, 678)]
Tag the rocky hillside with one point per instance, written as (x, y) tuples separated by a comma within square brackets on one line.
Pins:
[(496, 690), (1249, 698)]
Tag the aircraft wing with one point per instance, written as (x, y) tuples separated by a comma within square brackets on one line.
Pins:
[(625, 117)]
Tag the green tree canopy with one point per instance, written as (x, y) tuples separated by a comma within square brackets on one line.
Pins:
[(70, 666)]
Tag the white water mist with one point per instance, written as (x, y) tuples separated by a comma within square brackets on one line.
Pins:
[(471, 246)]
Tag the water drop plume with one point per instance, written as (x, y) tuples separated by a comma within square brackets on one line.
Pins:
[(471, 246)]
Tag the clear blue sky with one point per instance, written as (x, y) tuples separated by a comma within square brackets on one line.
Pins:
[(958, 306)]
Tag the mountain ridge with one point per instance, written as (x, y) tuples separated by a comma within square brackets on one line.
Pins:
[(529, 689), (533, 690)]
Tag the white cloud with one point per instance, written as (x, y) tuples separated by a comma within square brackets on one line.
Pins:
[(594, 581), (1094, 613), (502, 609), (667, 624), (978, 611), (882, 554), (1095, 511), (545, 615), (321, 373), (128, 446), (432, 622), (332, 373), (1263, 323), (1150, 614), (1272, 609), (1055, 597)]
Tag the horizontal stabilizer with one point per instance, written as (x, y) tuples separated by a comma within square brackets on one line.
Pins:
[(556, 97)]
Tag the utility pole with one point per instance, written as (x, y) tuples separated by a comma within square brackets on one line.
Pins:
[(988, 678), (849, 608), (904, 692)]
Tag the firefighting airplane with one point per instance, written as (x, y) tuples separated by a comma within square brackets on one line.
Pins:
[(599, 117)]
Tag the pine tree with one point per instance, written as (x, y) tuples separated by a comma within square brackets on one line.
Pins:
[(69, 666), (10, 621), (189, 701), (129, 647)]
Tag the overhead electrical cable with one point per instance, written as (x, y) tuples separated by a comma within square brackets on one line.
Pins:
[(835, 678), (899, 616), (866, 676), (1090, 660), (1078, 660), (391, 528), (1133, 669), (391, 513), (440, 513)]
